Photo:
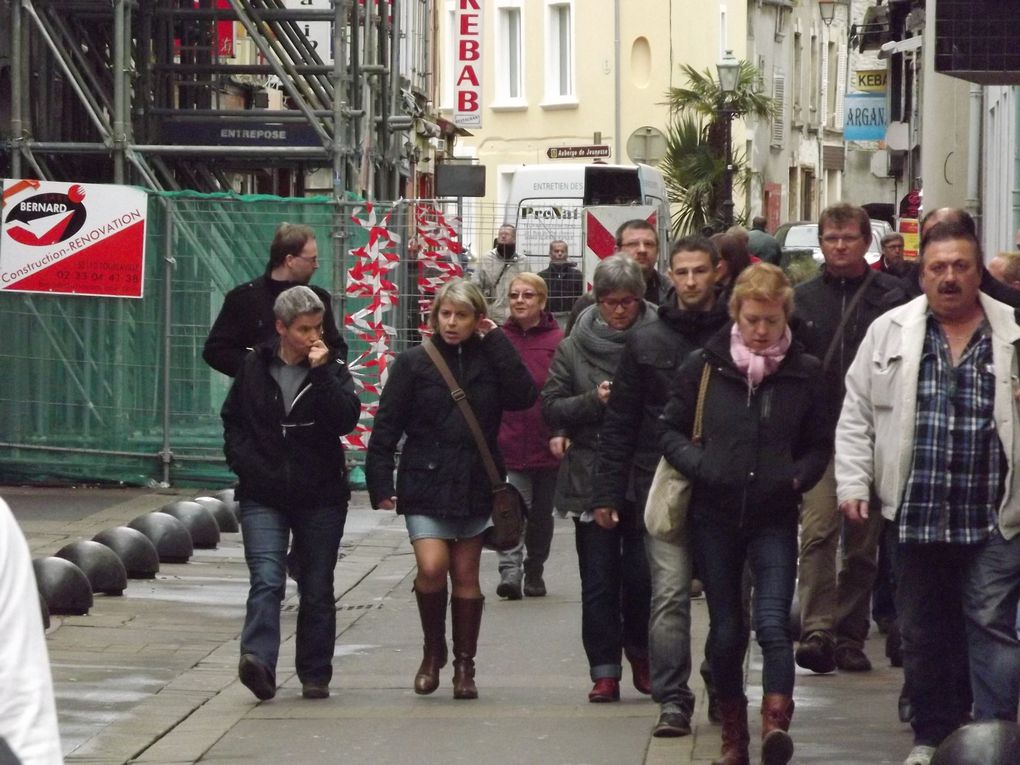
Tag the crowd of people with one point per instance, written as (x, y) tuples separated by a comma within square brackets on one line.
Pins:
[(866, 407)]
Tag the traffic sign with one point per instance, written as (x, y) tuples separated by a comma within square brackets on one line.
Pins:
[(577, 152)]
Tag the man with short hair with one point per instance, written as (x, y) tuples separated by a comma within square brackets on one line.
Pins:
[(763, 245), (562, 279), (496, 270), (291, 401), (639, 239), (931, 426), (832, 312), (246, 318), (1005, 267), (629, 452)]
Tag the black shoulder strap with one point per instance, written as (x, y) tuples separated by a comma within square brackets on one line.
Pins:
[(838, 336)]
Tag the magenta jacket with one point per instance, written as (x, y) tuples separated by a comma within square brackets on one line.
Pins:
[(524, 436)]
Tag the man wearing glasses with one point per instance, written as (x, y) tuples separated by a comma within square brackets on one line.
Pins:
[(831, 315), (246, 318)]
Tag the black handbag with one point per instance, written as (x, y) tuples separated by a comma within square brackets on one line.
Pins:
[(508, 508)]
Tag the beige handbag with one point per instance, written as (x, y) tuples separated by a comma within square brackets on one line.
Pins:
[(670, 492)]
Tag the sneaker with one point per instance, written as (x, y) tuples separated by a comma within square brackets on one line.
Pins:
[(817, 653), (850, 658), (534, 587), (672, 722), (315, 690), (920, 755), (256, 677), (509, 586), (606, 689)]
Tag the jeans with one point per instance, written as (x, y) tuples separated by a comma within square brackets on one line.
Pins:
[(317, 533), (615, 593), (669, 624), (990, 594), (538, 487), (772, 554), (827, 604)]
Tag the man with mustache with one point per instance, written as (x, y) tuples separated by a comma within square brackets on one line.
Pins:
[(930, 424)]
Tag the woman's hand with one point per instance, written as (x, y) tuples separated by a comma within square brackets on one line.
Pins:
[(604, 389), (558, 445), (485, 326), (387, 504), (606, 517)]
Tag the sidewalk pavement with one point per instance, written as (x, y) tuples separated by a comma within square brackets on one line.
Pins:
[(150, 676)]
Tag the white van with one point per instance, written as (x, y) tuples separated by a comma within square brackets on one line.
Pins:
[(546, 202)]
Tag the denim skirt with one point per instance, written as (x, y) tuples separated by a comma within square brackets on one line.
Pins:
[(433, 527)]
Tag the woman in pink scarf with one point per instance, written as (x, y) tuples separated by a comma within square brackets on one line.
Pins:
[(763, 442)]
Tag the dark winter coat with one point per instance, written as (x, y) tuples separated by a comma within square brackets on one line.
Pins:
[(441, 472), (629, 442), (247, 319), (819, 305), (524, 436), (565, 285), (289, 461), (753, 444)]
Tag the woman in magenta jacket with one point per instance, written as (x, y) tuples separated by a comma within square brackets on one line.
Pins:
[(524, 440)]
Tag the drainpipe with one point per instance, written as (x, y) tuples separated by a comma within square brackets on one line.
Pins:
[(973, 202), (616, 77)]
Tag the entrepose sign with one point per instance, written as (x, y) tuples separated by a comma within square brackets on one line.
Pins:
[(72, 238)]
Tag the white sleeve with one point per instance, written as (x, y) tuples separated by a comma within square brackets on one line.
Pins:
[(855, 432)]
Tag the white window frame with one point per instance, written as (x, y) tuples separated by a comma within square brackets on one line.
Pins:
[(504, 98), (560, 64), (449, 48)]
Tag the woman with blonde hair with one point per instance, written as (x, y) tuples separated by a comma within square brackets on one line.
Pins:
[(764, 441), (442, 489)]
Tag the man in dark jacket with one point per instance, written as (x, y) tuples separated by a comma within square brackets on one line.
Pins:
[(627, 456), (246, 318), (832, 313), (562, 279), (291, 401)]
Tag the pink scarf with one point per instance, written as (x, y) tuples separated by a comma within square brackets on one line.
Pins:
[(758, 364)]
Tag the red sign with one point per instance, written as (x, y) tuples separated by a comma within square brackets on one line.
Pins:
[(577, 152)]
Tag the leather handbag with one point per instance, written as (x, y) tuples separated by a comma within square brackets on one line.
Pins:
[(670, 493), (508, 508)]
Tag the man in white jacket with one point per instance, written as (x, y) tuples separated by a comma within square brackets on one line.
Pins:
[(931, 426)]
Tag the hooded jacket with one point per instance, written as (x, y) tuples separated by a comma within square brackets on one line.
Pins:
[(289, 460), (754, 443)]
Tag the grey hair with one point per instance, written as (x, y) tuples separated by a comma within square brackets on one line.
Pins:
[(618, 272), (294, 301)]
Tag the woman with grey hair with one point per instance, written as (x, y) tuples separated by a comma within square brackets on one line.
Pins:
[(615, 585), (442, 488)]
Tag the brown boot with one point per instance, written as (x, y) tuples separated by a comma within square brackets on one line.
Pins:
[(776, 744), (467, 618), (432, 609), (735, 737)]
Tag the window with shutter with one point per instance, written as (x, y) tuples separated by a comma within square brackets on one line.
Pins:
[(778, 137)]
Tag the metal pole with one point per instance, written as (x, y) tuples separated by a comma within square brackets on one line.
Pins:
[(617, 122), (973, 201), (17, 70), (727, 203), (119, 95), (166, 454)]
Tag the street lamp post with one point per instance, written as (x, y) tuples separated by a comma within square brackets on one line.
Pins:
[(729, 73)]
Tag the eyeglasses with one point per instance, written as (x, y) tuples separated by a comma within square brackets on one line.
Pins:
[(523, 295), (625, 303), (312, 259), (848, 238)]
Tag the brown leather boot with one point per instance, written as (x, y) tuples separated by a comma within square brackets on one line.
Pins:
[(467, 619), (776, 744), (432, 610), (735, 737)]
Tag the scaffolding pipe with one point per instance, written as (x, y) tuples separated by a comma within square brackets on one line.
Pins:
[(119, 96), (260, 43), (103, 128), (297, 46), (285, 52), (166, 454), (394, 80), (17, 126)]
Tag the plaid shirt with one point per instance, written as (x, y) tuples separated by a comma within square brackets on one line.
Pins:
[(956, 479)]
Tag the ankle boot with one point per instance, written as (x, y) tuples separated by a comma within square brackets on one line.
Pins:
[(432, 610), (467, 618), (735, 737), (776, 744)]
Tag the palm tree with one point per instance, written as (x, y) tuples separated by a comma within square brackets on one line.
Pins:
[(695, 162)]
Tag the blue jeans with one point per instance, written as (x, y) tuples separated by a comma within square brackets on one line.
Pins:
[(669, 625), (772, 554), (990, 594), (317, 533), (538, 487), (615, 594)]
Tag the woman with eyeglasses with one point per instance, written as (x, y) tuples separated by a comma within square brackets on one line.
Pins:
[(524, 439), (615, 585)]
